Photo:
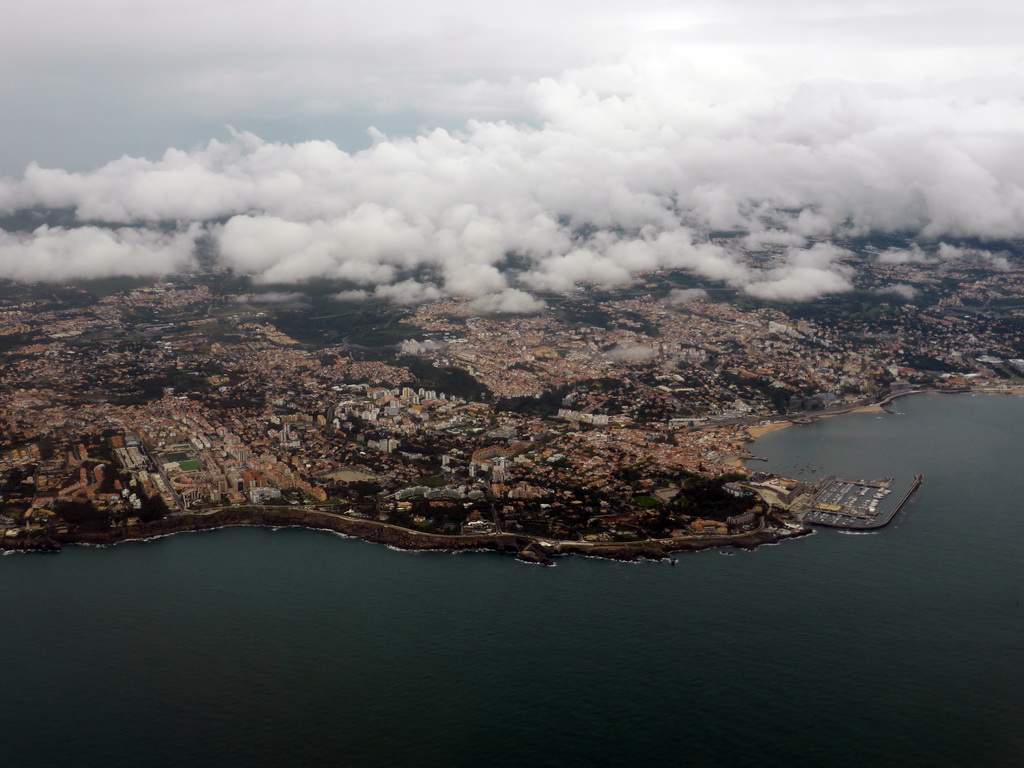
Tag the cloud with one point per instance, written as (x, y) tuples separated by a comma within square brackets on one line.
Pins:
[(805, 274), (90, 82), (902, 290), (354, 295), (767, 238), (408, 292), (626, 166), (511, 301), (57, 254), (913, 255), (637, 354), (275, 298), (943, 252), (799, 284), (413, 347), (687, 295), (563, 272), (948, 252)]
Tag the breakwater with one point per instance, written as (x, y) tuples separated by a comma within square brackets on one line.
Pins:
[(918, 479)]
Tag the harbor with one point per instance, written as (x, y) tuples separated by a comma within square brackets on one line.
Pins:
[(855, 504)]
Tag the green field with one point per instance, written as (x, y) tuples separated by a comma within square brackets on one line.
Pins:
[(190, 465), (647, 501)]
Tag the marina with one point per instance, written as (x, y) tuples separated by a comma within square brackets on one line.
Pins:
[(856, 504)]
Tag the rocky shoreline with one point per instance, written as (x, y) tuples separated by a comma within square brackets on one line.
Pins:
[(526, 548)]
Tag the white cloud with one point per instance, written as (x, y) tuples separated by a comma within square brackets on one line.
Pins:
[(109, 77), (274, 297), (57, 254), (805, 274), (511, 301), (408, 292), (413, 347), (915, 254), (354, 295), (615, 168), (687, 295), (799, 284), (904, 291), (948, 252), (637, 354)]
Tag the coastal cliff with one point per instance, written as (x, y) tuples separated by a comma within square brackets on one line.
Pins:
[(527, 548)]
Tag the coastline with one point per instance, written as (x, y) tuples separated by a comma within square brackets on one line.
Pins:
[(530, 549), (765, 428)]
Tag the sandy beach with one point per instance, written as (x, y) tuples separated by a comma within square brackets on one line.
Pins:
[(764, 429)]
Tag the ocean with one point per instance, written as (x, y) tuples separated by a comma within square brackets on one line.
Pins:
[(252, 647)]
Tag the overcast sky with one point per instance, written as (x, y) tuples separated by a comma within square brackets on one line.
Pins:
[(502, 126)]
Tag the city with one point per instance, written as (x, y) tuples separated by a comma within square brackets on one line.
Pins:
[(613, 421)]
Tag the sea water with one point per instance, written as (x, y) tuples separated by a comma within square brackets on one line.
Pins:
[(254, 647)]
